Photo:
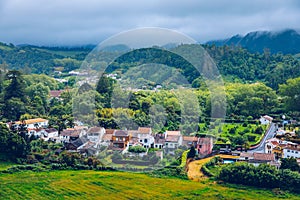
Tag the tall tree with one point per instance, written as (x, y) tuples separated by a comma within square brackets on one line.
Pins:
[(291, 90), (16, 87)]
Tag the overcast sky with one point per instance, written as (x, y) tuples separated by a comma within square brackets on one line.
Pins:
[(74, 22)]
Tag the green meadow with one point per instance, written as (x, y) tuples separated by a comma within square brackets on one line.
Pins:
[(121, 185)]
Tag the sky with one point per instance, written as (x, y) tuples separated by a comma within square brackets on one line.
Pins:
[(79, 22)]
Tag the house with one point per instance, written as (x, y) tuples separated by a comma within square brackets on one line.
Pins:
[(173, 139), (291, 151), (204, 146), (49, 134), (145, 137), (142, 136), (89, 148), (265, 119), (55, 93), (271, 144), (120, 139), (278, 151), (69, 135), (75, 144), (34, 123), (280, 148), (189, 141), (159, 141), (245, 156), (94, 134), (106, 139), (258, 158)]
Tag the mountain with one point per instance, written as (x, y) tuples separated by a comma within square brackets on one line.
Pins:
[(286, 41)]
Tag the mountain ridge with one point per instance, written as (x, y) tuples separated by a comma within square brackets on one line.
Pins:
[(285, 41)]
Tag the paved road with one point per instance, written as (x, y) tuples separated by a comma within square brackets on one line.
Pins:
[(270, 134)]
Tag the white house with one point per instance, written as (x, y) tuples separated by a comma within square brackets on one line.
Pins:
[(145, 137), (291, 151), (173, 139), (94, 134), (35, 123), (49, 134), (271, 144), (265, 119)]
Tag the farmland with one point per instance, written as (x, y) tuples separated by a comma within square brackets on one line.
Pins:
[(120, 185)]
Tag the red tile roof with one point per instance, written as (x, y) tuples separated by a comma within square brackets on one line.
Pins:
[(173, 132), (263, 156), (109, 131), (56, 93), (120, 133), (145, 130), (190, 138)]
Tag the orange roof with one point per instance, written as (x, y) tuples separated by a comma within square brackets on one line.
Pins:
[(275, 143), (173, 132), (109, 131), (32, 121), (145, 130), (190, 138), (56, 93), (107, 137)]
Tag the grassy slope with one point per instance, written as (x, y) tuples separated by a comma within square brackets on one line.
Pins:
[(117, 185)]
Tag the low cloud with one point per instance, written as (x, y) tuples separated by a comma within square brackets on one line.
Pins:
[(54, 22)]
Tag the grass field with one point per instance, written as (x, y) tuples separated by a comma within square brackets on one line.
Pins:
[(119, 185)]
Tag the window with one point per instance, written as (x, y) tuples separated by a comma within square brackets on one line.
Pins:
[(288, 150), (296, 152)]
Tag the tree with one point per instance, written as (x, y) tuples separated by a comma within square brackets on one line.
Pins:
[(11, 144), (16, 87), (191, 153), (289, 163), (291, 91), (105, 88)]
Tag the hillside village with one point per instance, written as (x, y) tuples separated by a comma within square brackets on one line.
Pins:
[(91, 141)]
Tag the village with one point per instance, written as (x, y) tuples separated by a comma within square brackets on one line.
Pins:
[(91, 141)]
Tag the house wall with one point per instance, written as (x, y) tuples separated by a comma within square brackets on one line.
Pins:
[(288, 153), (264, 121), (41, 124)]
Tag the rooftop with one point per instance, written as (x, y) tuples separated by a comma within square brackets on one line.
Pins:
[(56, 93), (32, 121), (144, 130), (95, 129), (120, 133), (263, 156), (173, 133)]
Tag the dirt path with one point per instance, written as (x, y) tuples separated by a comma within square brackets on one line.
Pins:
[(194, 172), (194, 167)]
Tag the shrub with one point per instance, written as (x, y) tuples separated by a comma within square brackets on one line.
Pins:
[(259, 130), (262, 176), (137, 149)]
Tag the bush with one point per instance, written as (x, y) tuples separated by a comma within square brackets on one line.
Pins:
[(259, 130), (137, 149), (262, 176)]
